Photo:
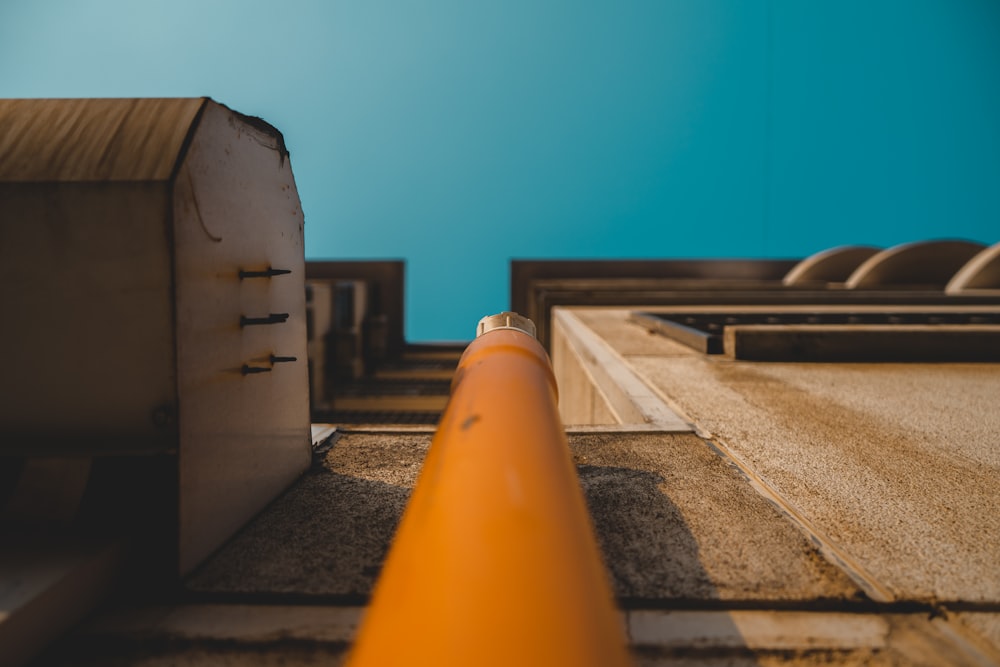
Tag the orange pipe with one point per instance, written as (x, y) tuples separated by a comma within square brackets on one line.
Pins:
[(495, 560)]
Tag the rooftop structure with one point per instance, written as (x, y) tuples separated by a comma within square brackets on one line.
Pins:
[(785, 462)]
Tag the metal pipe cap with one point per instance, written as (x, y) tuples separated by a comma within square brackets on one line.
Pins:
[(505, 320)]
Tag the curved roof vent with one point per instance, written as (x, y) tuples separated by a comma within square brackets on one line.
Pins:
[(980, 272), (929, 264), (833, 265)]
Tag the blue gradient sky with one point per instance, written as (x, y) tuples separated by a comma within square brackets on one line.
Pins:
[(458, 134)]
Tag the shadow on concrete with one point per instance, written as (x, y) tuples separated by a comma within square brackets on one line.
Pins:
[(651, 554), (323, 541), (653, 561), (329, 534)]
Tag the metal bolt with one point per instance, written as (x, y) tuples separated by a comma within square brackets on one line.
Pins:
[(273, 318), (266, 273)]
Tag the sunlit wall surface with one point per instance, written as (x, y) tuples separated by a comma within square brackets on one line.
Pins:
[(460, 134)]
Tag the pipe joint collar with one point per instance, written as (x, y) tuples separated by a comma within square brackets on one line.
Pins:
[(505, 320)]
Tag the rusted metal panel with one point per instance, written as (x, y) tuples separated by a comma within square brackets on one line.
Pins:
[(87, 140)]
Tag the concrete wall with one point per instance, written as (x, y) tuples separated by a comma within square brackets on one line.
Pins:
[(580, 400)]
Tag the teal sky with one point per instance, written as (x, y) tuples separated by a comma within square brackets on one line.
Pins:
[(458, 134)]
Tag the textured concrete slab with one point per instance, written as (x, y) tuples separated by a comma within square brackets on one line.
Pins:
[(675, 522), (212, 634), (581, 401), (985, 624), (605, 322), (752, 637), (199, 653), (599, 365), (48, 583), (329, 533), (896, 463), (679, 526), (229, 622), (771, 630), (904, 480)]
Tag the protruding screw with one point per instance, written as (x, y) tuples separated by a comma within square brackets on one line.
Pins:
[(273, 318), (266, 273)]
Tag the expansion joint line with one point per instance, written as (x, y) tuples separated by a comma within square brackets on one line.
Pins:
[(967, 640), (874, 589)]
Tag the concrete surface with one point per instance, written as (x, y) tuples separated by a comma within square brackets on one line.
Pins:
[(896, 463), (50, 581), (656, 500), (211, 635), (753, 637), (677, 524), (265, 635), (708, 571), (627, 341), (913, 498), (580, 399), (986, 624), (585, 363), (329, 533), (741, 543)]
